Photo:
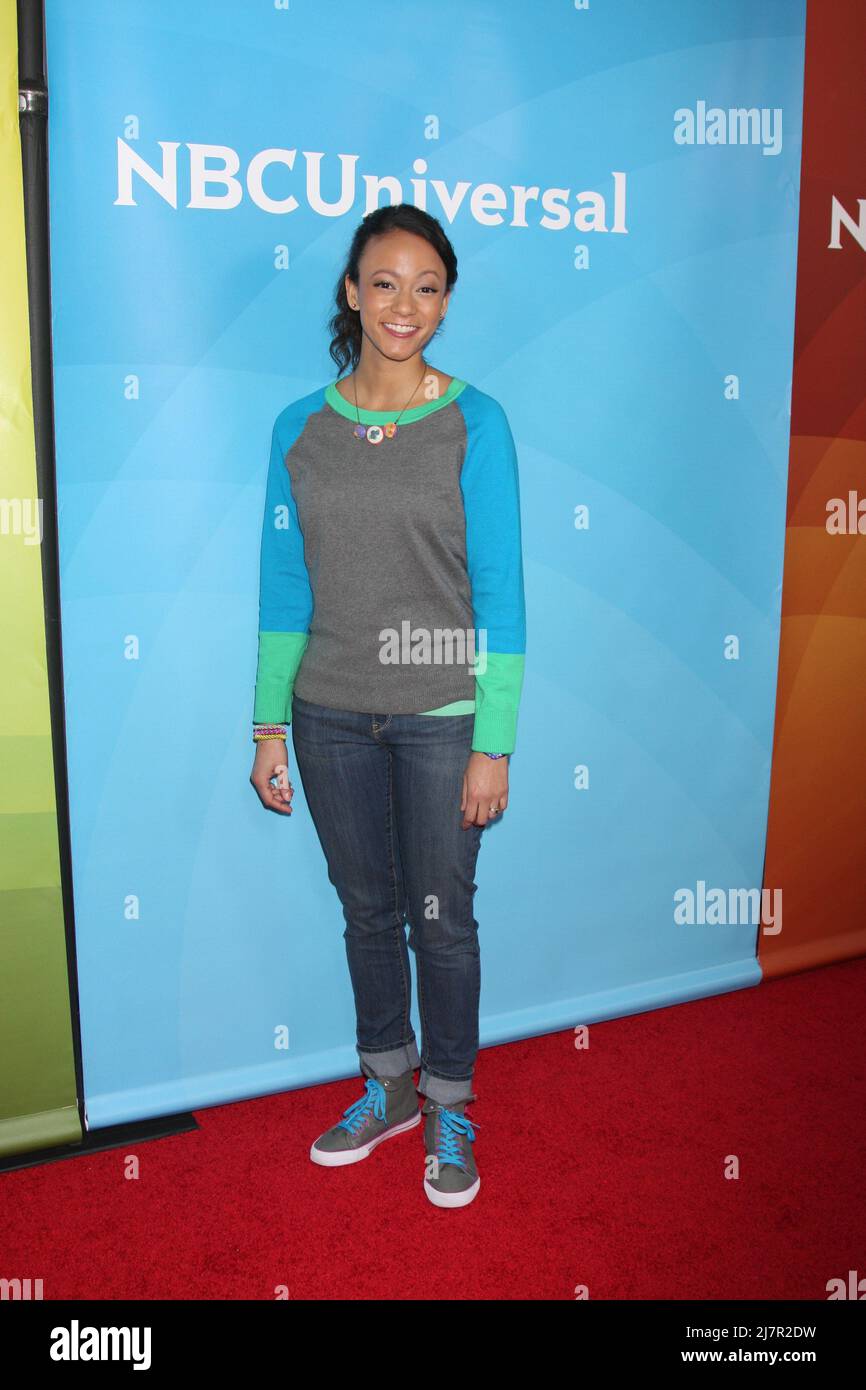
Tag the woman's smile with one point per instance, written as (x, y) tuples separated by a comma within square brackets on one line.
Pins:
[(401, 330)]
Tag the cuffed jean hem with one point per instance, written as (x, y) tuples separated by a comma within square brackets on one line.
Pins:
[(393, 1062), (396, 1061), (443, 1091)]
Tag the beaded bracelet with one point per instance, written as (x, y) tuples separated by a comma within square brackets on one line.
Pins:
[(261, 732), (496, 755)]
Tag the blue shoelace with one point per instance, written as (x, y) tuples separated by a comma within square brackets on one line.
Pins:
[(372, 1099), (452, 1125)]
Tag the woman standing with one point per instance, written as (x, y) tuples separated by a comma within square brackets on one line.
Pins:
[(392, 639)]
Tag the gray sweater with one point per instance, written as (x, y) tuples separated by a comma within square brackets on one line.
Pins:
[(391, 566)]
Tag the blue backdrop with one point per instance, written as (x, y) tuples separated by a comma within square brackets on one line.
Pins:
[(620, 182)]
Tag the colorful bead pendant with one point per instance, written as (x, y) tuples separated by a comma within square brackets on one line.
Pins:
[(375, 434), (391, 429), (359, 431)]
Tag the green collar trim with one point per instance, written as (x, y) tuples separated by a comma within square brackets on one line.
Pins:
[(381, 417)]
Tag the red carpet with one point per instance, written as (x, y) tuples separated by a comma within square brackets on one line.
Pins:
[(603, 1168)]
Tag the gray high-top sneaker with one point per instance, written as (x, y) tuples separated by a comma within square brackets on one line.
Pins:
[(388, 1106), (450, 1175)]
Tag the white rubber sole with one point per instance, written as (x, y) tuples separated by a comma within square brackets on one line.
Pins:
[(344, 1156), (452, 1199)]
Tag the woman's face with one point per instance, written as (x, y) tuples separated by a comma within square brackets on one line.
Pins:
[(401, 284)]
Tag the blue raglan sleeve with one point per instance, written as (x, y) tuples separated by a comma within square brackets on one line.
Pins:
[(494, 552), (285, 595)]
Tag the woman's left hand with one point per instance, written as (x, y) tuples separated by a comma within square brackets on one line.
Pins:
[(485, 789)]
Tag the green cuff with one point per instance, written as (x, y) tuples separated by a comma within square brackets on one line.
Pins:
[(280, 656), (497, 699)]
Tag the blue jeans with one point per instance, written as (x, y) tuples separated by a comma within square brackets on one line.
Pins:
[(384, 793)]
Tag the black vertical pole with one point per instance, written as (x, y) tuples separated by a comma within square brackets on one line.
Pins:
[(33, 123)]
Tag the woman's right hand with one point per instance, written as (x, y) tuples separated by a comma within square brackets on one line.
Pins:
[(271, 754)]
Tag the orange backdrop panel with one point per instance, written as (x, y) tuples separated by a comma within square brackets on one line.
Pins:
[(816, 836)]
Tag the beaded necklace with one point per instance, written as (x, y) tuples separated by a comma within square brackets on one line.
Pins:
[(374, 434)]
